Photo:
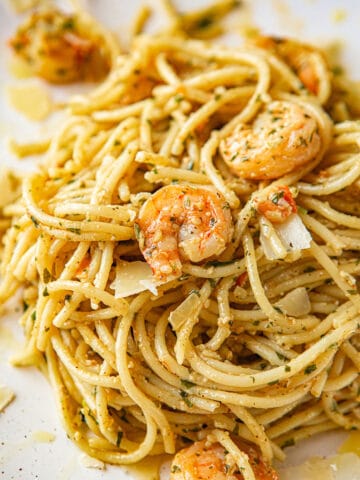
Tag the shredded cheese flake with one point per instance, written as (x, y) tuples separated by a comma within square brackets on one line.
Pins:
[(31, 100)]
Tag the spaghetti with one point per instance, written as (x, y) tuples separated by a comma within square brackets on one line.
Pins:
[(259, 341)]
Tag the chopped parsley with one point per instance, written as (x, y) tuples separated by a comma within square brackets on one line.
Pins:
[(137, 231), (195, 292), (310, 368), (178, 98), (190, 164), (288, 443), (68, 24), (309, 269), (302, 141), (301, 209), (46, 276), (216, 263), (187, 383), (277, 196), (185, 396), (35, 222), (119, 438), (337, 70), (212, 282), (77, 231), (274, 382), (204, 22), (280, 356)]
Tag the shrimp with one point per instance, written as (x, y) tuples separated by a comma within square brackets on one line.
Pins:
[(278, 206), (179, 223), (59, 48), (282, 138), (298, 55), (203, 462)]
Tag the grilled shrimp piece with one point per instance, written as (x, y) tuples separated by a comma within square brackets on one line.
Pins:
[(278, 205), (300, 57), (202, 462), (282, 138), (180, 223), (60, 48)]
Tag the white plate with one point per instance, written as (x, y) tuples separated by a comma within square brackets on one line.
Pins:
[(22, 457)]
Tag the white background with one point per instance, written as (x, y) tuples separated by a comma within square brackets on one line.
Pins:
[(22, 458)]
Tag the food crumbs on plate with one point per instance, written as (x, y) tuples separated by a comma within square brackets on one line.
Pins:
[(338, 15), (91, 462), (6, 397), (351, 444), (42, 437), (30, 99)]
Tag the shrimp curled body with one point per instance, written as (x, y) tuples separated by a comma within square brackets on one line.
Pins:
[(203, 462), (61, 48), (282, 138), (179, 223), (279, 205), (301, 57)]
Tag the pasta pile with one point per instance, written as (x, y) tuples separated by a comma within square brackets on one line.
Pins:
[(261, 347)]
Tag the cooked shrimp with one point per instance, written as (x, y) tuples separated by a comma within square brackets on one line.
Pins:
[(278, 206), (59, 48), (179, 223), (283, 137), (203, 462), (298, 55)]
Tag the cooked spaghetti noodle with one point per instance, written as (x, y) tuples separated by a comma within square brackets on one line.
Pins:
[(259, 341)]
